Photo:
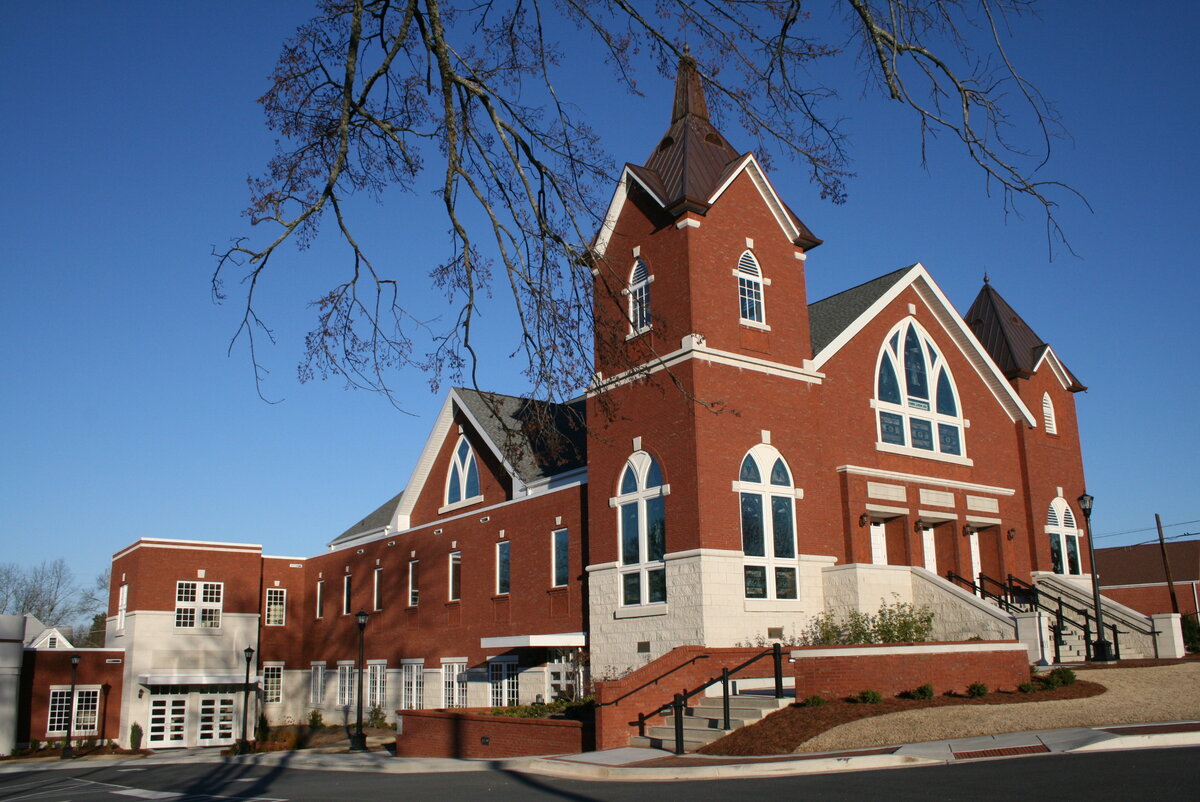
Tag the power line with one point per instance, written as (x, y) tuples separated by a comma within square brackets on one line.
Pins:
[(1147, 529)]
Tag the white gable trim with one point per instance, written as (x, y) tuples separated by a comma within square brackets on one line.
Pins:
[(952, 323), (616, 205), (1056, 365), (750, 165)]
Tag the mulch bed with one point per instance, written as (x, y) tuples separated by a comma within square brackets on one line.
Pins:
[(784, 731)]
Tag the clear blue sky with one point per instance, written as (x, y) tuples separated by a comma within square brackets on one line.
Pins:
[(130, 129)]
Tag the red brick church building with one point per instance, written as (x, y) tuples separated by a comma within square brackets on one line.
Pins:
[(743, 460)]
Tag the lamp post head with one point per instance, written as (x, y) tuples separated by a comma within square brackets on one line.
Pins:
[(74, 660), (361, 615), (1085, 504), (249, 652)]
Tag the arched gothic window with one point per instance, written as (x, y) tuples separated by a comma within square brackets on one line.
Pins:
[(750, 289), (1048, 419), (1064, 538), (916, 401), (642, 526), (639, 296), (767, 500), (462, 483)]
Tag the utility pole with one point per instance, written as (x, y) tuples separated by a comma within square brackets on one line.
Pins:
[(1162, 543)]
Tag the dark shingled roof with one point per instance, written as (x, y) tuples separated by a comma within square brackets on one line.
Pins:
[(1006, 337), (829, 317), (1139, 565), (514, 424), (376, 520)]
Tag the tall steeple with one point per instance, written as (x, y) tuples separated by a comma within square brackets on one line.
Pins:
[(1007, 338), (689, 91)]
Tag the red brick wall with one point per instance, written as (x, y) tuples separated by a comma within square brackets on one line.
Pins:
[(902, 668), (1152, 599), (494, 483), (43, 668), (452, 733), (151, 569)]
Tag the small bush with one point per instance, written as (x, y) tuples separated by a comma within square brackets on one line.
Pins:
[(1050, 681), (1191, 632), (813, 701), (35, 744), (377, 718), (1027, 687), (315, 719), (869, 697), (923, 692), (1065, 675), (262, 730), (135, 736), (977, 690)]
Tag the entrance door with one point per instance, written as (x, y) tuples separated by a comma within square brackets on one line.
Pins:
[(975, 569), (216, 720), (168, 721), (929, 547), (878, 543)]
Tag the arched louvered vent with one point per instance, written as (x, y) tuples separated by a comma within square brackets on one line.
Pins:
[(1068, 518), (749, 265), (640, 272), (1048, 419), (1051, 517)]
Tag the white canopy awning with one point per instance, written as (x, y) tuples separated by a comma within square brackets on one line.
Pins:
[(558, 639), (195, 679)]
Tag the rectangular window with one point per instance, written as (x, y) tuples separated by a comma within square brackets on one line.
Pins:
[(346, 608), (454, 685), (412, 677), (320, 598), (377, 590), (414, 584), (376, 685), (60, 711), (561, 546), (750, 296), (87, 706), (276, 607), (891, 428), (502, 567), (455, 575), (345, 689), (316, 686), (198, 602), (122, 602), (502, 676), (272, 684)]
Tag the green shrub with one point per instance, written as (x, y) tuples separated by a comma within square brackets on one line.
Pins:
[(1050, 681), (813, 701), (35, 744), (923, 692), (315, 719), (1065, 675), (1191, 632), (377, 718), (135, 736), (898, 622), (1027, 687), (262, 730), (824, 630), (869, 697), (977, 690)]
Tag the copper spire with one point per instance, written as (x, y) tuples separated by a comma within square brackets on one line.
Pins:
[(689, 90)]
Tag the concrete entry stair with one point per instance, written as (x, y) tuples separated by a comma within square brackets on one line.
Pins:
[(702, 722)]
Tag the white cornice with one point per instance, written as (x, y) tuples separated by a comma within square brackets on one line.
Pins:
[(1056, 365), (877, 473)]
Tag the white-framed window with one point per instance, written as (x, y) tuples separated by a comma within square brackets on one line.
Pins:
[(750, 290), (768, 515), (345, 684), (916, 403), (502, 677), (122, 604), (642, 530), (503, 572), (462, 482), (320, 598), (85, 717), (1064, 538), (560, 546), (1048, 420), (276, 607), (454, 685), (377, 590), (376, 685), (347, 584), (316, 685), (639, 296), (412, 686), (455, 576), (414, 582), (272, 682), (198, 604)]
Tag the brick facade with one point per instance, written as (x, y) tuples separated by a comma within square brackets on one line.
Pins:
[(466, 734)]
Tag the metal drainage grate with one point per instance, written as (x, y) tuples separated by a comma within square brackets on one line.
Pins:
[(1004, 752)]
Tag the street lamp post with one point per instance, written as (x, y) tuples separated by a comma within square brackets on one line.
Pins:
[(358, 741), (68, 751), (243, 744), (1101, 648)]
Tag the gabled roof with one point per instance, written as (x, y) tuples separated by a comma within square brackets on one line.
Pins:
[(1143, 565), (831, 316), (1009, 340), (378, 519)]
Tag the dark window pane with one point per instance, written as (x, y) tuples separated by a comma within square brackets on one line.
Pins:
[(656, 585), (891, 428), (463, 450), (629, 534), (1073, 554), (780, 475), (561, 554), (922, 433), (945, 395), (455, 575), (632, 588), (455, 492), (502, 567), (472, 480), (1056, 556), (752, 525), (785, 583), (756, 581), (750, 471), (895, 343), (656, 529), (889, 385), (948, 439), (781, 520), (628, 481), (654, 475), (914, 366)]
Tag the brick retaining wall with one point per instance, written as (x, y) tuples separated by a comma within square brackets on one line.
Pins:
[(458, 733)]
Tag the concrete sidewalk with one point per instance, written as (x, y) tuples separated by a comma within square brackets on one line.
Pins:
[(639, 764)]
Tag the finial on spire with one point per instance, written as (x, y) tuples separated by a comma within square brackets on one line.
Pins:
[(986, 280), (689, 89)]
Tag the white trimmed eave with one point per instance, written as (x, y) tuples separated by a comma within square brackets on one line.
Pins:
[(1056, 365), (750, 166), (555, 640), (952, 323), (600, 246)]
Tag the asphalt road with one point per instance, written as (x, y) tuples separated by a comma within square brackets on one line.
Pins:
[(1127, 775)]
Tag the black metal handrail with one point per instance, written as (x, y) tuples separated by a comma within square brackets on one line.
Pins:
[(982, 591), (1124, 619)]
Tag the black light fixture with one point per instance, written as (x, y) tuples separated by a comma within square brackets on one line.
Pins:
[(1012, 534), (358, 741), (68, 751), (1101, 648), (969, 530), (243, 744), (864, 519)]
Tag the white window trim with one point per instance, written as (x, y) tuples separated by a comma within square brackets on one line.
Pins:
[(504, 691), (316, 684), (454, 684), (376, 684), (272, 668), (283, 607), (320, 599), (122, 604), (463, 468), (347, 593), (554, 558), (412, 684), (503, 545), (631, 293), (764, 456), (376, 591), (414, 589), (345, 683), (1063, 532), (198, 606), (74, 712), (453, 595), (640, 462), (755, 279)]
